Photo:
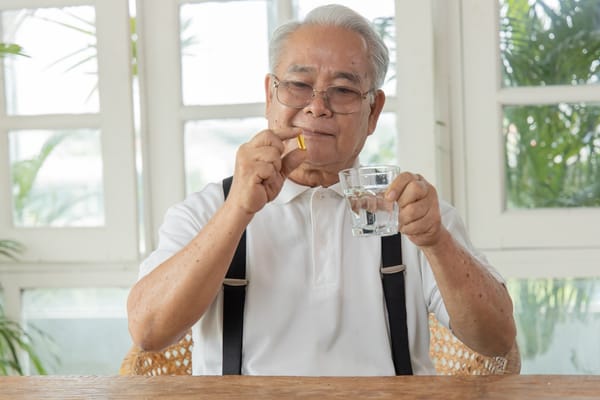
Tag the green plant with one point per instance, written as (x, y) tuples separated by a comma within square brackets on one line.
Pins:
[(10, 248), (543, 303), (42, 208), (7, 49), (13, 337), (552, 156)]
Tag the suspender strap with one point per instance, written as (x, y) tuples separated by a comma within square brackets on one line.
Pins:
[(395, 300), (234, 296)]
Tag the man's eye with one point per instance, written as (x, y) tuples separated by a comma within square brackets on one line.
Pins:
[(296, 85), (343, 91)]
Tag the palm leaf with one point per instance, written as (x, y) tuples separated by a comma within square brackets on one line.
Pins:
[(10, 248), (11, 49), (14, 339)]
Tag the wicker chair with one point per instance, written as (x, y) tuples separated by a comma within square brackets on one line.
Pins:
[(450, 357)]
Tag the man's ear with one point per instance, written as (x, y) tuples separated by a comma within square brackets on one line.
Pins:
[(376, 109), (268, 93)]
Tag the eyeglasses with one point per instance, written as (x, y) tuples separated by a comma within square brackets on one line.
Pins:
[(340, 99)]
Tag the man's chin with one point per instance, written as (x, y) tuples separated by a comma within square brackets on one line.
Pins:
[(315, 166)]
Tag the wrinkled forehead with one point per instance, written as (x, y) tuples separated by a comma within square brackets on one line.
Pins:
[(330, 51), (312, 71)]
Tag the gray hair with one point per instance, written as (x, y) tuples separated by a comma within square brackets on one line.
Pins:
[(340, 16)]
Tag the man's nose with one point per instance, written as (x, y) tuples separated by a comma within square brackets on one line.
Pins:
[(319, 104)]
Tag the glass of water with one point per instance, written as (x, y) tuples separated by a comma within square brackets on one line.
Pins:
[(364, 189)]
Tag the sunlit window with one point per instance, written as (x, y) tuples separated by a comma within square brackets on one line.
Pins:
[(59, 73), (56, 178)]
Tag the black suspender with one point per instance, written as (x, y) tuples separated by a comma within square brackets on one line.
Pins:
[(234, 294), (234, 297), (392, 275)]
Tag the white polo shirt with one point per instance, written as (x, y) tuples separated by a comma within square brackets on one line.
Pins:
[(314, 301)]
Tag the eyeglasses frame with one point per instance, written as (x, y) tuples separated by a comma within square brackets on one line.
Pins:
[(278, 81)]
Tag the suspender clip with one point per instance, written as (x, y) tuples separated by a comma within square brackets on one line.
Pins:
[(235, 282), (393, 269)]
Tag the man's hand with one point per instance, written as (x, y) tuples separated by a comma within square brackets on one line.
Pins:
[(479, 306), (261, 166), (419, 211)]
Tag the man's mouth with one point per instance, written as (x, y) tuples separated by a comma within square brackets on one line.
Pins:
[(308, 132)]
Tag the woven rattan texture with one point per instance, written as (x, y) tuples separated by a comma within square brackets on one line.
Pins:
[(450, 357), (174, 360)]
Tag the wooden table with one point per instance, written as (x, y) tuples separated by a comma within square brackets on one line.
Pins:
[(246, 387)]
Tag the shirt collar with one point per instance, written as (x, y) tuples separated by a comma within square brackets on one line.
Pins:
[(291, 190)]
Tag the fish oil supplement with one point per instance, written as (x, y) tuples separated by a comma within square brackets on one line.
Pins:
[(301, 144)]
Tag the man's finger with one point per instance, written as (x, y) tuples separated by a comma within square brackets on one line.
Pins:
[(292, 160), (397, 187)]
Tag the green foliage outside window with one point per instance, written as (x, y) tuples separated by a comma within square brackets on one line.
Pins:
[(552, 156)]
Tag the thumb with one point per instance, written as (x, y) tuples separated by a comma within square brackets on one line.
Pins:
[(292, 160)]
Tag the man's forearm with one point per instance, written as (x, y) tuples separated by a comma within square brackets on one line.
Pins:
[(479, 306), (171, 298)]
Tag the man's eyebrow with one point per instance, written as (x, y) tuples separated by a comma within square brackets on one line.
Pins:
[(349, 76), (300, 68)]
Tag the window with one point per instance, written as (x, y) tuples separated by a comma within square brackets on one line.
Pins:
[(60, 124), (68, 175), (536, 143), (84, 329), (532, 151)]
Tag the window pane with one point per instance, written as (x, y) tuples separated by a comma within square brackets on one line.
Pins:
[(56, 178), (210, 147), (381, 14), (549, 42), (550, 314), (60, 74), (552, 155), (88, 328), (224, 52), (380, 147)]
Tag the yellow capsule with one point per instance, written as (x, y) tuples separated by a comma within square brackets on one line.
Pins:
[(300, 139)]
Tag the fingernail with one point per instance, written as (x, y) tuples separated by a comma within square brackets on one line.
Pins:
[(391, 195)]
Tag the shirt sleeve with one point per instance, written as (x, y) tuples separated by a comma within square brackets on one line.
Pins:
[(182, 223)]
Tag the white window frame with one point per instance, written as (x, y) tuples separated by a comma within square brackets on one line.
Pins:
[(94, 257), (522, 243), (116, 240)]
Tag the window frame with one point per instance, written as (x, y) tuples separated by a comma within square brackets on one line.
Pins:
[(558, 242), (73, 257), (114, 120)]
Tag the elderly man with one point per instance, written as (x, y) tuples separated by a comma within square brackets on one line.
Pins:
[(314, 302)]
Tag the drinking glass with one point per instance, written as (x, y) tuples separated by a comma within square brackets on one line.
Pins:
[(364, 189)]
